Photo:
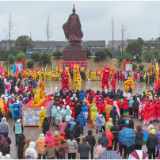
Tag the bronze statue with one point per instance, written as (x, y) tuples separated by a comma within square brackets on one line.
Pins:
[(72, 29)]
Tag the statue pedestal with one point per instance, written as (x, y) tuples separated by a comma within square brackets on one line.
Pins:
[(72, 53)]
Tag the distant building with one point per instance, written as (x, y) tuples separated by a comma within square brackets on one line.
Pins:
[(5, 44), (118, 43), (51, 46)]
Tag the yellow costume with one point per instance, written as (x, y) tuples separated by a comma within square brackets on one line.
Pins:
[(99, 75), (76, 78), (87, 74), (42, 115), (128, 83)]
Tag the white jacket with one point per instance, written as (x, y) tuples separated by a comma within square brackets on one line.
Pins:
[(30, 151)]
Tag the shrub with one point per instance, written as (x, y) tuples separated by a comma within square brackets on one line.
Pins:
[(57, 53), (141, 67), (45, 58), (140, 60), (127, 59), (11, 58), (117, 57), (30, 64), (134, 66), (120, 59), (21, 56), (88, 53), (119, 64), (100, 54), (36, 56)]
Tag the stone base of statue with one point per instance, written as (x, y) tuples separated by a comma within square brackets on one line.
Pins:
[(72, 53)]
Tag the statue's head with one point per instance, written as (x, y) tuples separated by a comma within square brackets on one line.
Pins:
[(73, 10)]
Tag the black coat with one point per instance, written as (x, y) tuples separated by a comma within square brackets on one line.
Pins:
[(131, 124), (136, 104), (78, 109), (123, 124), (77, 129), (67, 131), (152, 141), (130, 149), (115, 130), (45, 125), (113, 113), (91, 139), (139, 136), (20, 142)]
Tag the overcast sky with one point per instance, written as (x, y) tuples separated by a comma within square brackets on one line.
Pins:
[(142, 18)]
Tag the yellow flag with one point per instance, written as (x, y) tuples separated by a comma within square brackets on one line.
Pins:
[(157, 69)]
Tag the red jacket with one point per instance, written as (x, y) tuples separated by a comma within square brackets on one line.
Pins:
[(125, 104), (110, 137), (50, 140)]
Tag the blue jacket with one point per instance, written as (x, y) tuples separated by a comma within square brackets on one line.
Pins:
[(81, 118), (98, 122), (84, 108), (81, 96), (130, 102), (72, 123), (104, 139)]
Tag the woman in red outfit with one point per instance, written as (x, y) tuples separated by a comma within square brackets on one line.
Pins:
[(147, 115), (135, 76), (125, 107)]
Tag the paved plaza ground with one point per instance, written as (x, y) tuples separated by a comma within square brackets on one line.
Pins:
[(33, 134)]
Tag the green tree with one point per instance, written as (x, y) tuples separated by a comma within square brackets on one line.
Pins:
[(57, 53), (3, 55), (108, 52), (21, 56), (134, 48), (45, 58), (127, 56), (100, 54), (148, 56), (11, 58), (36, 56), (23, 43), (13, 50), (88, 53), (30, 64)]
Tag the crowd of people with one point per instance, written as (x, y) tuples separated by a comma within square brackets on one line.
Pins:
[(107, 112)]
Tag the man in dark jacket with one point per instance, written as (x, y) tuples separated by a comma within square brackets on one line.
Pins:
[(119, 120), (135, 107), (115, 130), (20, 142), (131, 123), (113, 114), (122, 124), (83, 149), (104, 139), (45, 125), (139, 138), (77, 131), (92, 141), (151, 143)]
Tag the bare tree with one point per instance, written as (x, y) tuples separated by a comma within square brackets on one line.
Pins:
[(9, 30), (48, 31), (124, 38), (112, 34)]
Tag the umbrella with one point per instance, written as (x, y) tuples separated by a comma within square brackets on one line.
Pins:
[(109, 155), (145, 136), (127, 136), (138, 154)]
